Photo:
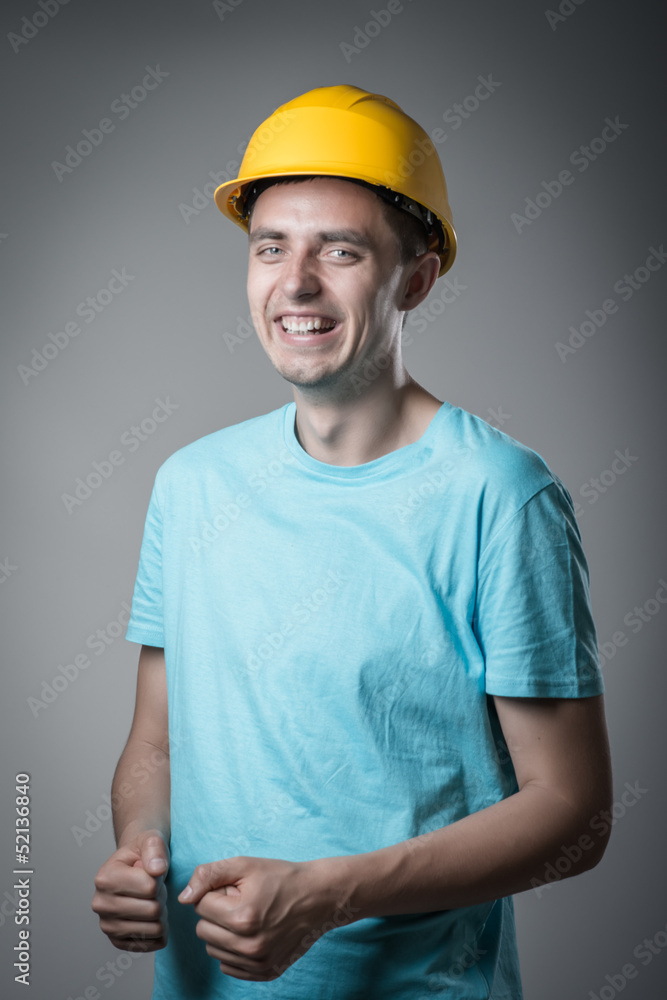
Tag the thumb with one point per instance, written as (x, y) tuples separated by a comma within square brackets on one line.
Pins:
[(212, 876), (155, 855)]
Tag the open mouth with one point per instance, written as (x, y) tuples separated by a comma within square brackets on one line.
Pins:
[(312, 325)]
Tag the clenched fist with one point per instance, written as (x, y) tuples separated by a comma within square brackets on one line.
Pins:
[(131, 896)]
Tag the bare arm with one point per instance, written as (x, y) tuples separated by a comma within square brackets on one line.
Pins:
[(130, 896), (561, 757), (140, 790)]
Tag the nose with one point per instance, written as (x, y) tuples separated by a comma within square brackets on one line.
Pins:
[(299, 277)]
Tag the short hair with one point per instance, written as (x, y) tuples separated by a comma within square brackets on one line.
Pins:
[(410, 234)]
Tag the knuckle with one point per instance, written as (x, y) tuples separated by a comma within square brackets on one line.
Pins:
[(124, 945), (102, 881), (247, 923), (100, 906), (256, 948), (263, 970)]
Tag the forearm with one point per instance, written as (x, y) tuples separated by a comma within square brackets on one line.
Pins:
[(496, 852), (140, 792)]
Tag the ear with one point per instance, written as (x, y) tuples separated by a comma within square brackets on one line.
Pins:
[(421, 278)]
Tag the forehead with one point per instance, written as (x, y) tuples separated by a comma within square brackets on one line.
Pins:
[(330, 197)]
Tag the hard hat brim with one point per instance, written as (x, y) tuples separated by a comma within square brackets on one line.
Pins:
[(228, 195)]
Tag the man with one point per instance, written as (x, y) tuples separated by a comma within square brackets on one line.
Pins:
[(369, 675)]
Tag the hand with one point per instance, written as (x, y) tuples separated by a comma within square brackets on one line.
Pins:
[(131, 899), (259, 915)]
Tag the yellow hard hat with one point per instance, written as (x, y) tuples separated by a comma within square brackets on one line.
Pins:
[(348, 132)]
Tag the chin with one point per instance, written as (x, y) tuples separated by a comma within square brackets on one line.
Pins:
[(309, 380)]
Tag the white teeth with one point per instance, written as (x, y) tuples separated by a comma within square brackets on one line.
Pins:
[(294, 325)]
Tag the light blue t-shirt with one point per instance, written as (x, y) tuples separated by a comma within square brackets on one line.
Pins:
[(331, 635)]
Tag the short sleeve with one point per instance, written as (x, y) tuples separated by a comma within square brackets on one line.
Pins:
[(146, 622), (533, 618)]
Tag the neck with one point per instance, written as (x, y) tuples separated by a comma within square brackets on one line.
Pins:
[(391, 413)]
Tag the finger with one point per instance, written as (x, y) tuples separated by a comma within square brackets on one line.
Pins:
[(226, 946), (132, 929), (155, 855), (130, 944), (116, 877), (127, 908), (214, 907), (214, 875), (232, 966), (251, 977), (256, 972)]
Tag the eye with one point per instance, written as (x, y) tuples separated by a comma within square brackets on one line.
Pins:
[(343, 254), (269, 252)]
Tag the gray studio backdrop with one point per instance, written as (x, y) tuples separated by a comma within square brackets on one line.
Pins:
[(126, 336)]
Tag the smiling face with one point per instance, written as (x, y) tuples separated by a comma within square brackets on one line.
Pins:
[(325, 284)]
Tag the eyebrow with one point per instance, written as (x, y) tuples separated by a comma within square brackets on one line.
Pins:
[(352, 236)]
